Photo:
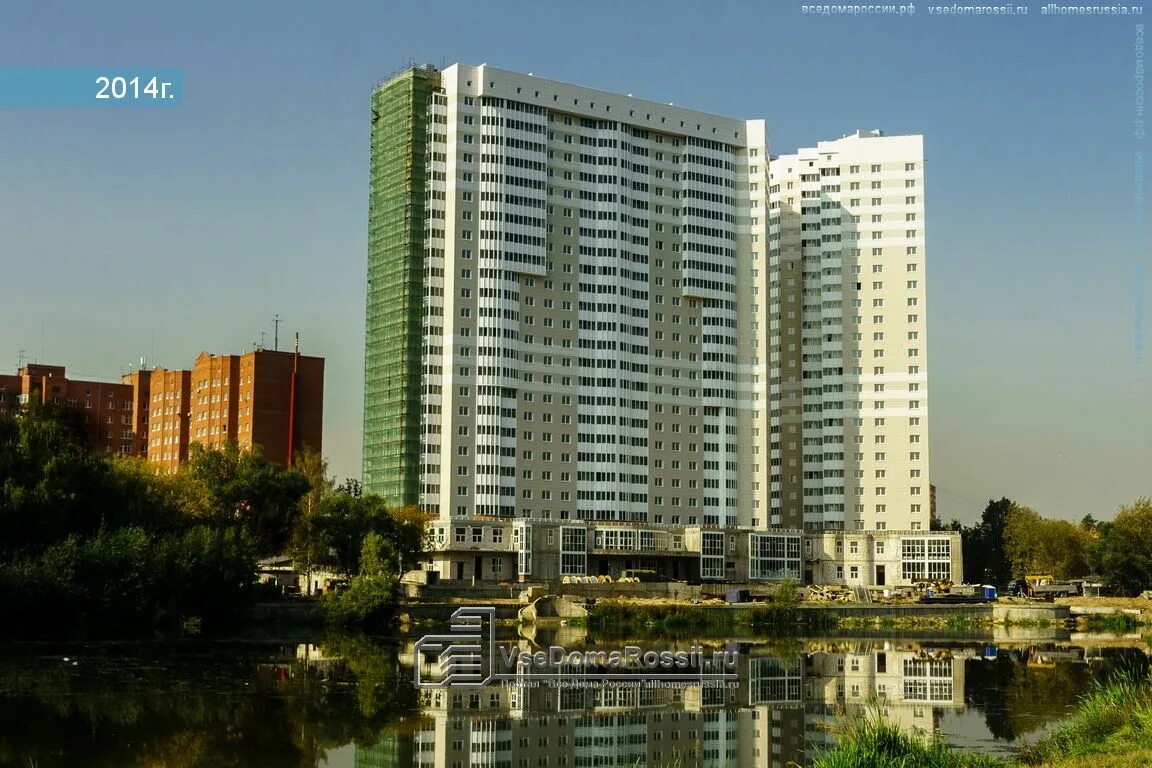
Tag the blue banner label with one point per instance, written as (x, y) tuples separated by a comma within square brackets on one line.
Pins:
[(90, 87)]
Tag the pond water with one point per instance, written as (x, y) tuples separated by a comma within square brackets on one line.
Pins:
[(352, 702)]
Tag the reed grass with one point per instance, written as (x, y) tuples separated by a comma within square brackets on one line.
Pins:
[(1114, 719), (873, 742), (1111, 728)]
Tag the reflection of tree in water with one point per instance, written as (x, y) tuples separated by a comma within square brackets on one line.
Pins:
[(1018, 699), (219, 708)]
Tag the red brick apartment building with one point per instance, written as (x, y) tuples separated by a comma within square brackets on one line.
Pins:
[(271, 399), (115, 415), (274, 400)]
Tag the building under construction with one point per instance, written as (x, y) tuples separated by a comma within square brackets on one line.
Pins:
[(395, 304)]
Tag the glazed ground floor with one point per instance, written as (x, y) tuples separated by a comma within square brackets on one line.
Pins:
[(486, 550)]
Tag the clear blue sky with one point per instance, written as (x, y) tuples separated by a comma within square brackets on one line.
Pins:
[(168, 232)]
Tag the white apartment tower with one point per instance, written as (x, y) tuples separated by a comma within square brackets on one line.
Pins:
[(849, 380), (578, 309), (594, 312)]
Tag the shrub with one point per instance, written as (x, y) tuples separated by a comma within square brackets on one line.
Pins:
[(368, 601)]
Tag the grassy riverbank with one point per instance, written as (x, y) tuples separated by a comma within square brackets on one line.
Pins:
[(619, 618), (792, 617), (1111, 727)]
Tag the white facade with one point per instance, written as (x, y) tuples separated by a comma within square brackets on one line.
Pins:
[(593, 324), (848, 294), (634, 317)]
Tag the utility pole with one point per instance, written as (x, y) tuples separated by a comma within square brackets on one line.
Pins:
[(276, 332)]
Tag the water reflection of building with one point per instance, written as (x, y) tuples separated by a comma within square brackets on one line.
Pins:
[(776, 712), (394, 750), (609, 725), (909, 687)]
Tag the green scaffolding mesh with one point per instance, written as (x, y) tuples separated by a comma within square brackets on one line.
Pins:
[(396, 246)]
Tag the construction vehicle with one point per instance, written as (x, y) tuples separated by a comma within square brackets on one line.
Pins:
[(971, 593), (932, 586), (1044, 586), (1047, 658), (946, 592)]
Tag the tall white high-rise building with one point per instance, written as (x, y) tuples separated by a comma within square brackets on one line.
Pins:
[(582, 309), (849, 374)]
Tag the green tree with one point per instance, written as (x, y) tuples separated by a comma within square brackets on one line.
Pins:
[(351, 487), (1037, 545), (245, 490), (984, 557), (1022, 540), (334, 535), (50, 485), (314, 467), (137, 495), (1125, 549), (371, 597), (97, 540)]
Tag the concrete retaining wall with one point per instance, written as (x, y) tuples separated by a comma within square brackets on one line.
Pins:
[(443, 611), (444, 590), (997, 614), (1026, 613), (672, 589)]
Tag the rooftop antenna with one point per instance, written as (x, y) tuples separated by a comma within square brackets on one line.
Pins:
[(276, 332), (22, 355), (262, 334)]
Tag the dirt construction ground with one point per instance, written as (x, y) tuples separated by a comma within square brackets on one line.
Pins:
[(1122, 603)]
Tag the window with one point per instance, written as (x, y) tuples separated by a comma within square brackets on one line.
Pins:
[(774, 556), (711, 555), (926, 558), (573, 551)]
